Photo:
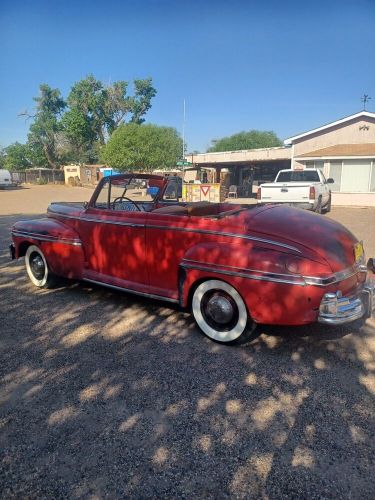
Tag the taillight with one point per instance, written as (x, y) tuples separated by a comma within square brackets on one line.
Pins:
[(259, 192), (312, 193)]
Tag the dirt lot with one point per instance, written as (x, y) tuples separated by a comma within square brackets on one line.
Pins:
[(108, 395)]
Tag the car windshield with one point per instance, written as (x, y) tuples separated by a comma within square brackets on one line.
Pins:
[(128, 194), (298, 176)]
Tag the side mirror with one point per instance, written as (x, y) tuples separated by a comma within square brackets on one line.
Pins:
[(330, 181), (85, 205)]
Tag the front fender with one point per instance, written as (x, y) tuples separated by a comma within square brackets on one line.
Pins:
[(60, 244), (272, 294)]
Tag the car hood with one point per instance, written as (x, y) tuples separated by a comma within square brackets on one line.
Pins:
[(310, 232)]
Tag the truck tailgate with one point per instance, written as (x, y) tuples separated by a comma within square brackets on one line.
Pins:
[(286, 193)]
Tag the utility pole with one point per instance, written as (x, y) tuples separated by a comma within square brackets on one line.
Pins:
[(183, 133), (183, 142), (365, 99)]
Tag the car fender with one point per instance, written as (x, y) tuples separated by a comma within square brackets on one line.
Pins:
[(59, 242), (239, 262)]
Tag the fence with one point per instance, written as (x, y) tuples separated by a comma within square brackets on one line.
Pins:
[(39, 176)]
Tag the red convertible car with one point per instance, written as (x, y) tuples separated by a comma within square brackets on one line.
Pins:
[(234, 266)]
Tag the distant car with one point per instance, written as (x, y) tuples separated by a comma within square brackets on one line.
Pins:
[(306, 188), (5, 179), (233, 266)]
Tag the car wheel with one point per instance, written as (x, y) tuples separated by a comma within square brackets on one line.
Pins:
[(221, 313), (318, 209), (38, 269)]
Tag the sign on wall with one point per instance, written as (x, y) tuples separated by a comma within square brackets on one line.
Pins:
[(201, 192)]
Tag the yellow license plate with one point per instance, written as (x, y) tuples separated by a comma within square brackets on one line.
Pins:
[(358, 251)]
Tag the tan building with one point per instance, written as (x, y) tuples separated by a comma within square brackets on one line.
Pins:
[(82, 174), (343, 149)]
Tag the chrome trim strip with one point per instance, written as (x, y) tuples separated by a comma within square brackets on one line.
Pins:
[(308, 280), (183, 229), (129, 290), (335, 277), (244, 275), (246, 269), (45, 237), (230, 235), (102, 221)]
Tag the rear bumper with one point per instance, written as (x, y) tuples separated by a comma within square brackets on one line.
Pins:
[(337, 310)]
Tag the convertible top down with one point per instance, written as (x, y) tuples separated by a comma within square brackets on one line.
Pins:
[(234, 266)]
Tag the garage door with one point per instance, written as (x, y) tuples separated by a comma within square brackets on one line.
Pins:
[(355, 176)]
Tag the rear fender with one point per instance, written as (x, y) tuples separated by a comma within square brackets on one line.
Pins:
[(60, 244)]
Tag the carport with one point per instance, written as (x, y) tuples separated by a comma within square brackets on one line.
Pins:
[(245, 169)]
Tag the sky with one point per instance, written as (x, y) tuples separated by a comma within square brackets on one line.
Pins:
[(286, 66)]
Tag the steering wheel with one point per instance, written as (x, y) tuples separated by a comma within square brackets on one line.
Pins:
[(120, 198)]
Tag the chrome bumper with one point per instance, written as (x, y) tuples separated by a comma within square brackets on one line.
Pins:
[(336, 310)]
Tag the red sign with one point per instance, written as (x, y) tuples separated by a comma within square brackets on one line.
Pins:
[(205, 189)]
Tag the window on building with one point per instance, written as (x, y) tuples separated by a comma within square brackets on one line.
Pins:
[(372, 183), (335, 172), (353, 176)]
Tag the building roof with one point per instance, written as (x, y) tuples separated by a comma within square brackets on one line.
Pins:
[(365, 114), (365, 150), (246, 155)]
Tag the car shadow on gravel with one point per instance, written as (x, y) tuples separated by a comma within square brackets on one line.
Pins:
[(106, 394)]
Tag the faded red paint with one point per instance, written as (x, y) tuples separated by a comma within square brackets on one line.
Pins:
[(148, 253)]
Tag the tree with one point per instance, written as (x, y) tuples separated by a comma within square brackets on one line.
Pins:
[(104, 108), (79, 134), (17, 156), (46, 127), (142, 147), (246, 140), (2, 158), (77, 129)]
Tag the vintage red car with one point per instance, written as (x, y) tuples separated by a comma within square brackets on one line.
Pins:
[(234, 266)]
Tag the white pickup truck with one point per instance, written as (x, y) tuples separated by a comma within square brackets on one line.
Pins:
[(302, 188)]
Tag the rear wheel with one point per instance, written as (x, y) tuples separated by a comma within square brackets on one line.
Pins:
[(318, 209), (327, 208), (221, 313), (38, 269)]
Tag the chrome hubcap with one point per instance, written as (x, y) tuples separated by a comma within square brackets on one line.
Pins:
[(219, 309), (37, 266)]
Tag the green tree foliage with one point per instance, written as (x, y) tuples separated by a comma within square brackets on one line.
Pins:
[(44, 131), (104, 108), (79, 134), (76, 130), (246, 140), (142, 147), (2, 158), (16, 157)]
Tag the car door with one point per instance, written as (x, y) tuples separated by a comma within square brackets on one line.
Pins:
[(114, 240)]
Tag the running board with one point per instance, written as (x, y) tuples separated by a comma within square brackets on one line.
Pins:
[(129, 290)]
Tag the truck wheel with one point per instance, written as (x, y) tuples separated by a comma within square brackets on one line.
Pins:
[(318, 209), (38, 269), (221, 313), (327, 208)]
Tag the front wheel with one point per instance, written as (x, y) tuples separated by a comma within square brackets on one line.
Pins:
[(221, 313), (38, 269)]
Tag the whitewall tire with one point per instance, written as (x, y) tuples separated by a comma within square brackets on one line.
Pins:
[(221, 313), (37, 268)]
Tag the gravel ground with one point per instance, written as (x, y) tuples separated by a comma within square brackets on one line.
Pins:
[(108, 395)]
